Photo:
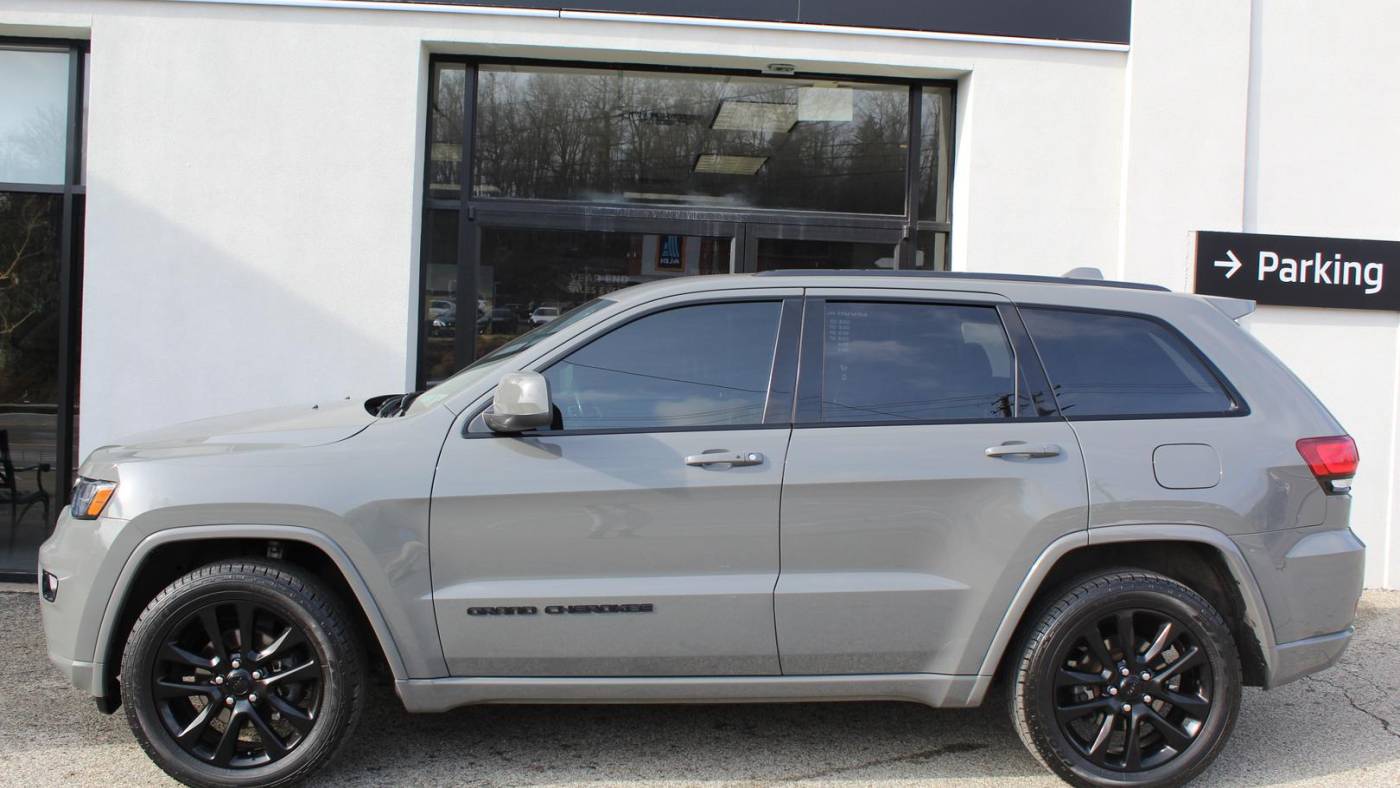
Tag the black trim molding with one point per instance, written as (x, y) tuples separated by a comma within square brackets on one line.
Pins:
[(1104, 21)]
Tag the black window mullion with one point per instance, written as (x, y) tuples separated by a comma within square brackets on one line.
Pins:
[(70, 285), (468, 233)]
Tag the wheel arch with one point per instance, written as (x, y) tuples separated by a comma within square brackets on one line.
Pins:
[(1199, 556), (166, 555)]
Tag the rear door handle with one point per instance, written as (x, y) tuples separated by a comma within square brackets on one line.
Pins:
[(1018, 449), (722, 457)]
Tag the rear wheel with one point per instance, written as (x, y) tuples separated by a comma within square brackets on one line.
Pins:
[(242, 673), (1130, 678)]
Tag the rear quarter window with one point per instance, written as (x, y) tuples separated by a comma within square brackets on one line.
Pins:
[(1104, 364)]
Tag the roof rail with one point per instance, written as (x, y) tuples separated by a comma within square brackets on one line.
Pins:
[(974, 275)]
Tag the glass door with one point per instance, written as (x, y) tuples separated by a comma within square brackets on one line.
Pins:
[(774, 247), (527, 271)]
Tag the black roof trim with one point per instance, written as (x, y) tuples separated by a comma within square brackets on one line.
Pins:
[(1045, 280)]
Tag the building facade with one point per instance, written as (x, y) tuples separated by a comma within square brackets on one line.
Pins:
[(209, 206)]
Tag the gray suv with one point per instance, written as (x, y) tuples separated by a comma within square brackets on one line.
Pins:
[(1103, 498)]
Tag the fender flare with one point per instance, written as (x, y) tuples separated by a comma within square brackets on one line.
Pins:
[(1256, 612), (288, 533)]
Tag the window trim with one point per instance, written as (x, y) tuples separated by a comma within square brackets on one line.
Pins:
[(784, 350), (810, 382), (1240, 410)]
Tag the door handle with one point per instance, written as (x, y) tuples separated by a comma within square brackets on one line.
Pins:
[(722, 457), (1020, 449)]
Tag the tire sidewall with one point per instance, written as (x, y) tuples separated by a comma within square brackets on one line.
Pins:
[(1209, 632), (157, 623)]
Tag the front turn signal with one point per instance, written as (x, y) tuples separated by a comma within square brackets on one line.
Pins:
[(90, 497)]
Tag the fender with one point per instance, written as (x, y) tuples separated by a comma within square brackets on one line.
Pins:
[(290, 533), (1255, 611)]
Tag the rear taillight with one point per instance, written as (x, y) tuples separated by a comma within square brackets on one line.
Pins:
[(1332, 460)]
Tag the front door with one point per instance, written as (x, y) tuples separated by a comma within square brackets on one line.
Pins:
[(639, 537), (926, 473)]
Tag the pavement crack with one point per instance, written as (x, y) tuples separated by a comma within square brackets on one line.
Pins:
[(921, 755), (1385, 723)]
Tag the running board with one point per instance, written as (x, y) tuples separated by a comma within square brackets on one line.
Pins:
[(429, 695)]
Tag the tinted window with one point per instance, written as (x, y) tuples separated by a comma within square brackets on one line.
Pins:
[(1117, 365), (899, 361), (705, 365)]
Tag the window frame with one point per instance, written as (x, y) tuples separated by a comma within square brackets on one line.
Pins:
[(1241, 406), (782, 370), (1026, 365)]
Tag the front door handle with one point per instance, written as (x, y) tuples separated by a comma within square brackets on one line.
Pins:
[(723, 457), (1019, 449)]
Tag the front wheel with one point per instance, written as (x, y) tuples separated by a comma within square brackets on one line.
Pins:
[(1129, 679), (242, 673)]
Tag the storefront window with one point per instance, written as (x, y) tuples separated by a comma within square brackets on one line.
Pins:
[(445, 129), (33, 116), (690, 139)]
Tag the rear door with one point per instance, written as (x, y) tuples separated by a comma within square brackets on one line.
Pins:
[(640, 536), (927, 470)]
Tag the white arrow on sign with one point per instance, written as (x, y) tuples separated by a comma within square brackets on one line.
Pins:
[(1233, 263)]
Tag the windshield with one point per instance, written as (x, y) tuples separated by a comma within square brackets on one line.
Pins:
[(489, 363)]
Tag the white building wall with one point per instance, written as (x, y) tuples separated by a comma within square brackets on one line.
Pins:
[(255, 179)]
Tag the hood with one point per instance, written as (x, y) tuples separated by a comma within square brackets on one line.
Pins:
[(299, 425)]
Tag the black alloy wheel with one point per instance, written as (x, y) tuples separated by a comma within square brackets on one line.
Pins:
[(1133, 689), (236, 684), (243, 673), (1128, 679)]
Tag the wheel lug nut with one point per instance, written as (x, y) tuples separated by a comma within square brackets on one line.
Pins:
[(1124, 671), (1146, 676), (235, 664), (253, 698), (256, 675), (218, 679), (1113, 690), (1127, 707), (228, 701), (1146, 698)]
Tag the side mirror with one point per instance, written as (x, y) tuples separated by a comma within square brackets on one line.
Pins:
[(521, 403)]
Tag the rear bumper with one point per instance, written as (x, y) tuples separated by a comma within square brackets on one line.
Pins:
[(1295, 660), (1310, 580)]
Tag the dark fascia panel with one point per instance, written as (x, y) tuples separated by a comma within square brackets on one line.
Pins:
[(1106, 21)]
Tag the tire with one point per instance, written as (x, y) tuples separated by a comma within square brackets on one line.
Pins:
[(1060, 699), (302, 655)]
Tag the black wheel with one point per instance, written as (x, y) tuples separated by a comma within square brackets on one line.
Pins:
[(1129, 679), (242, 673)]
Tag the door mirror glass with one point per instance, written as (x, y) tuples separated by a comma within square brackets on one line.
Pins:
[(521, 403)]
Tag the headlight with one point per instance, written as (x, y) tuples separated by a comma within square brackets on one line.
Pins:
[(90, 497)]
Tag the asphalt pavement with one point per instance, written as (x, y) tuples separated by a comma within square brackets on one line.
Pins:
[(1341, 727)]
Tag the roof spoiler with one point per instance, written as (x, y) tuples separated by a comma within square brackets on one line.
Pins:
[(1234, 308)]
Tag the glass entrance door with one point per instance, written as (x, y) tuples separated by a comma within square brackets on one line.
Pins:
[(527, 276)]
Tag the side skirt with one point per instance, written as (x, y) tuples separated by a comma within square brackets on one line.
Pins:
[(430, 695)]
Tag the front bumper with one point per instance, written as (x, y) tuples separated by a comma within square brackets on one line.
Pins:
[(77, 555)]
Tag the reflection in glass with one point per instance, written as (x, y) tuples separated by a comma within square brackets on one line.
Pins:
[(439, 315), (935, 167), (916, 362), (30, 226), (690, 139), (527, 274), (786, 253), (445, 130), (931, 253), (33, 116)]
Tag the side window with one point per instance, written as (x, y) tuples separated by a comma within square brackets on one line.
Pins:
[(918, 362), (693, 366), (1103, 364)]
